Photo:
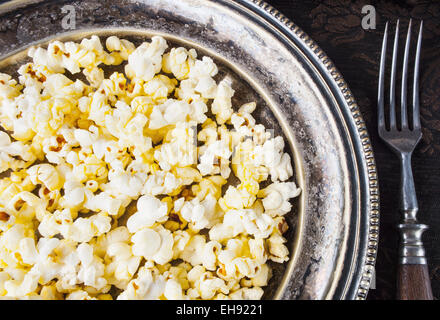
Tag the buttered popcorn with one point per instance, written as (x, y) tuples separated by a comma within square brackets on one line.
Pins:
[(147, 182)]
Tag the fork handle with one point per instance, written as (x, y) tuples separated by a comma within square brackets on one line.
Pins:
[(413, 282), (413, 278)]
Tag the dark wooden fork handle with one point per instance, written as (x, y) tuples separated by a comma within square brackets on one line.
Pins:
[(413, 282)]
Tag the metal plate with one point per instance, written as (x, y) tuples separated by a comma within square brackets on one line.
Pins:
[(300, 94)]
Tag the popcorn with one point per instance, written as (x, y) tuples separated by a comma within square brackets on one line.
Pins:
[(173, 290), (178, 62), (122, 46), (180, 149), (169, 113), (271, 155), (153, 244), (150, 211), (104, 202), (9, 151), (245, 221), (48, 58), (210, 252), (8, 87), (96, 107), (12, 237), (109, 184), (128, 128), (222, 105), (204, 67), (126, 183), (25, 206), (209, 287), (214, 158), (116, 235), (74, 194), (257, 250), (244, 165), (276, 197), (188, 175), (159, 88), (146, 60), (28, 251), (262, 276), (94, 76), (18, 289), (123, 266), (91, 269), (50, 293), (247, 294), (235, 198), (161, 182), (278, 251), (199, 214), (242, 259), (206, 285), (58, 85), (45, 174), (146, 286), (79, 230), (193, 250), (79, 295), (180, 239), (211, 185)]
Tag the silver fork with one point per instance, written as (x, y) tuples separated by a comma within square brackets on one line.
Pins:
[(413, 279)]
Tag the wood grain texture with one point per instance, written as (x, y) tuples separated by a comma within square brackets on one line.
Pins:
[(336, 26), (413, 282)]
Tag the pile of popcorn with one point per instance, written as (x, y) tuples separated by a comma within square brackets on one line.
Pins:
[(118, 187)]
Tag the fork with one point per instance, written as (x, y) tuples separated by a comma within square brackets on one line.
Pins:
[(413, 281)]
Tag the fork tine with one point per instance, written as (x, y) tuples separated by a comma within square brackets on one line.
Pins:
[(416, 103), (403, 109), (380, 94), (393, 80)]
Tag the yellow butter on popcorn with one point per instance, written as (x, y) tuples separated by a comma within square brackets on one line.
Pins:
[(146, 180)]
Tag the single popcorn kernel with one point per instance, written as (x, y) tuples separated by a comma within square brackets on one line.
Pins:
[(4, 216), (19, 204), (283, 226)]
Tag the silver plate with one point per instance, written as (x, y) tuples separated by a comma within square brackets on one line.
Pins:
[(333, 231)]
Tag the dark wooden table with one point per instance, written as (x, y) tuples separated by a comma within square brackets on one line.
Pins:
[(336, 26)]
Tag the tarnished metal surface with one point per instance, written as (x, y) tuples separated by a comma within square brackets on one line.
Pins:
[(333, 226)]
